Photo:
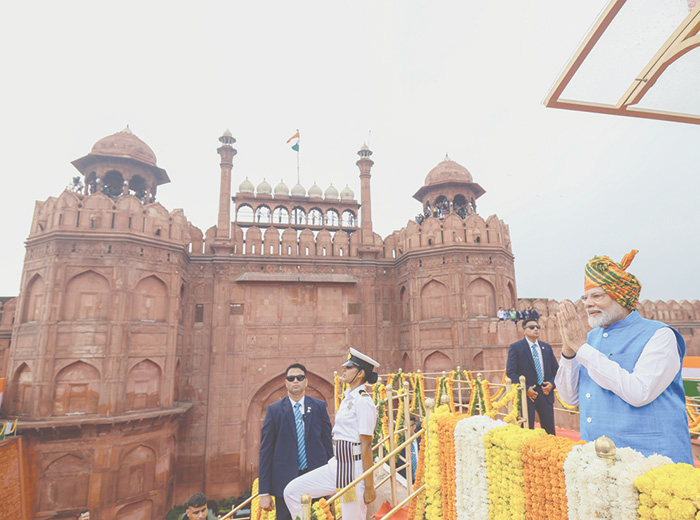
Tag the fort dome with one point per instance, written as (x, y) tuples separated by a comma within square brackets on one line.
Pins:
[(264, 188), (347, 194), (126, 145), (246, 187), (448, 171), (281, 189), (315, 191), (298, 191), (331, 193)]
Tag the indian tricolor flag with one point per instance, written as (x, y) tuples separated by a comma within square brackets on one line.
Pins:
[(691, 376), (295, 146)]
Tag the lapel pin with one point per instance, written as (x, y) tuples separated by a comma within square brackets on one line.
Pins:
[(308, 410)]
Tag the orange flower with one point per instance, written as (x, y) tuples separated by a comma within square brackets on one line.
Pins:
[(543, 472)]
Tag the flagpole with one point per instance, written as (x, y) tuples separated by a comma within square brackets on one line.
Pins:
[(298, 182)]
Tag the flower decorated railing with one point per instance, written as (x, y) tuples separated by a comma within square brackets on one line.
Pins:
[(481, 468)]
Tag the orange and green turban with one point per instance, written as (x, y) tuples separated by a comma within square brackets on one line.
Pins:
[(622, 286)]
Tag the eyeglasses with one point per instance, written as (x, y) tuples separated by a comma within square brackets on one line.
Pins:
[(595, 297), (532, 327), (291, 379)]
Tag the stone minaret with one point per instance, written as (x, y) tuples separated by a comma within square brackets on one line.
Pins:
[(365, 164), (227, 152)]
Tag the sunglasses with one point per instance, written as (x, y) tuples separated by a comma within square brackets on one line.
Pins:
[(291, 379), (532, 327)]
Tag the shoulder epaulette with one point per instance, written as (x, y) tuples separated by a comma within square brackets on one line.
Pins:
[(363, 392)]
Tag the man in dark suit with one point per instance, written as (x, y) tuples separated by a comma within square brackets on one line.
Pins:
[(535, 360), (295, 438)]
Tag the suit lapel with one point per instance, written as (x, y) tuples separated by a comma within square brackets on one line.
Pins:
[(307, 416), (528, 355), (289, 415)]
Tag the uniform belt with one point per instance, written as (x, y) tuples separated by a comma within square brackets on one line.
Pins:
[(356, 450)]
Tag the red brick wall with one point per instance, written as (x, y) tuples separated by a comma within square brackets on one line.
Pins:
[(14, 484)]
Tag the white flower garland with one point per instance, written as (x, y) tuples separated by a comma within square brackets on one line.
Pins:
[(596, 490), (470, 457)]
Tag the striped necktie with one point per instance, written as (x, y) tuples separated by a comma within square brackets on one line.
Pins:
[(538, 366), (301, 442), (414, 458)]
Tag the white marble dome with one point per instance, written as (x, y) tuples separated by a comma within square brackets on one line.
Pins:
[(281, 190), (315, 191), (331, 193), (347, 194), (246, 187), (264, 188), (298, 191)]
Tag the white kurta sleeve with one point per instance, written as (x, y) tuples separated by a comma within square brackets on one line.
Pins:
[(654, 371), (566, 380)]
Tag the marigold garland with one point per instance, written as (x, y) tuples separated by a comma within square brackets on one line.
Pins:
[(511, 396), (544, 479), (504, 463), (486, 393), (255, 503), (471, 408), (433, 498), (320, 510), (501, 388), (447, 461), (693, 419), (669, 492), (562, 403), (417, 505), (450, 383), (400, 421)]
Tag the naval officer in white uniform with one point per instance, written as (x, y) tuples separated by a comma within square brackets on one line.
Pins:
[(352, 446)]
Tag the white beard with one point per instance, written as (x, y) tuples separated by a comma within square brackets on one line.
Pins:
[(606, 317)]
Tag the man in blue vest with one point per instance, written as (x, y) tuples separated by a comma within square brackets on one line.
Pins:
[(625, 374)]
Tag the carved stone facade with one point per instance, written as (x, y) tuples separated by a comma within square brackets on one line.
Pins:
[(144, 352)]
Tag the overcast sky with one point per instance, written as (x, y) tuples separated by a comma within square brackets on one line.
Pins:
[(465, 78)]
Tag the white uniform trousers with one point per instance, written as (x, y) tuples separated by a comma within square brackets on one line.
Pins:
[(321, 483)]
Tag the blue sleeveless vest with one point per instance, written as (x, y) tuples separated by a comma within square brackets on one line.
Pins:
[(658, 427)]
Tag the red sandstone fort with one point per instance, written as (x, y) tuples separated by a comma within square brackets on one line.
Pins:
[(141, 353)]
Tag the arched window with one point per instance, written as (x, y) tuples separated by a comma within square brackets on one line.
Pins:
[(298, 216), (442, 207), (403, 298), (150, 300), (481, 299), (64, 484), (143, 509), (347, 219), (433, 299), (23, 390), (138, 188), (33, 300), (315, 217), (280, 215), (112, 184), (263, 215), (460, 206), (437, 362), (137, 473), (332, 218), (76, 389), (245, 214), (86, 297)]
